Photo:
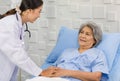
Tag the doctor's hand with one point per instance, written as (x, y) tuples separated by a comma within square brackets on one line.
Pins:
[(49, 72)]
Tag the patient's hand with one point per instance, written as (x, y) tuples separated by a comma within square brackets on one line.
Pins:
[(61, 72), (49, 72), (55, 72)]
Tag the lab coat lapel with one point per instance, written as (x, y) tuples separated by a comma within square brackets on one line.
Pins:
[(19, 19)]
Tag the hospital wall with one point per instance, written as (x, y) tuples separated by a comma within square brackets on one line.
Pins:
[(70, 13)]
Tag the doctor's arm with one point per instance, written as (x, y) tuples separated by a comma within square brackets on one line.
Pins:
[(12, 48)]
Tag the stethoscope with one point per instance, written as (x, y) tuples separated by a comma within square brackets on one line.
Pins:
[(26, 30)]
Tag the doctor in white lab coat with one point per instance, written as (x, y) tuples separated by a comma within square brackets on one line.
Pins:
[(12, 53)]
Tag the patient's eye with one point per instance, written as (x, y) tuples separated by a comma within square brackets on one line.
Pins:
[(82, 32), (88, 34)]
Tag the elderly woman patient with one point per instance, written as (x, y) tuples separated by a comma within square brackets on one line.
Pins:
[(86, 63)]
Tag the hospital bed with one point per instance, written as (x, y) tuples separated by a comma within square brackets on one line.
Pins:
[(110, 45)]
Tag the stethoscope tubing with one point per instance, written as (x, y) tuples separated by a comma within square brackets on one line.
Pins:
[(26, 30)]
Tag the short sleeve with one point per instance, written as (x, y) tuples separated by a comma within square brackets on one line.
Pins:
[(100, 64)]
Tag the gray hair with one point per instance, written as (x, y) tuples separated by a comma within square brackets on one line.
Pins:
[(97, 32)]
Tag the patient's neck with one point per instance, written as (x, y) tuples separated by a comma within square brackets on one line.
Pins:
[(82, 49)]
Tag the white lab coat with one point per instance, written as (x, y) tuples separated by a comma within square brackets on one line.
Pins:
[(12, 53)]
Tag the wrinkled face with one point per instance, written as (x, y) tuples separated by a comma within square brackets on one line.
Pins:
[(34, 14), (86, 38)]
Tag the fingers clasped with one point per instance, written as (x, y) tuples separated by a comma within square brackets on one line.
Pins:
[(50, 72)]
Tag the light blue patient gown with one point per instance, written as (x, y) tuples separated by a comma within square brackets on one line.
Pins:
[(91, 60)]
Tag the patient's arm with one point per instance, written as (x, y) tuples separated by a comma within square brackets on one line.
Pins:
[(84, 76)]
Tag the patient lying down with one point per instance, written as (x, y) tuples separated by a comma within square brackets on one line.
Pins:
[(85, 63)]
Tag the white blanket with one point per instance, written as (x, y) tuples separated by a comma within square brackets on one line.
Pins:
[(41, 78)]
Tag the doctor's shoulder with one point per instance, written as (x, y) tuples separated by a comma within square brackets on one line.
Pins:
[(9, 18), (8, 21)]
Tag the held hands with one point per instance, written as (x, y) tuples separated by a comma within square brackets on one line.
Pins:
[(49, 71), (54, 72)]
